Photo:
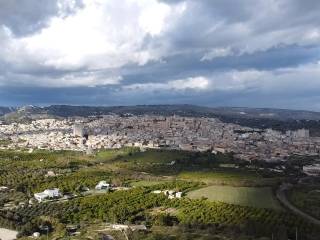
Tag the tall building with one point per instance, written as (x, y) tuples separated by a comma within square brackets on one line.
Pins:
[(78, 130), (301, 133)]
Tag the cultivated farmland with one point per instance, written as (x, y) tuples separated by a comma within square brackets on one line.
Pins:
[(245, 196)]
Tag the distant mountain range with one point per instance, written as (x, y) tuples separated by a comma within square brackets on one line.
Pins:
[(5, 110), (184, 110), (281, 119)]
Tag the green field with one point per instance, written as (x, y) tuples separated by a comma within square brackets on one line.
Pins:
[(306, 198), (233, 177), (245, 196)]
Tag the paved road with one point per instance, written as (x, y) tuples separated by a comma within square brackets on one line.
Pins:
[(281, 195)]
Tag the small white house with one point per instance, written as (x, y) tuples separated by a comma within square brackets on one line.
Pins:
[(178, 194), (3, 188), (120, 227), (36, 235), (171, 196), (171, 192), (156, 191), (48, 193), (102, 185), (40, 196), (52, 193)]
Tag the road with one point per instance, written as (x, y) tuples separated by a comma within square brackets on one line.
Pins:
[(281, 195), (6, 234)]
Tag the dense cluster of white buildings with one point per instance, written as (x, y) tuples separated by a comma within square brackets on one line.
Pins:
[(185, 133)]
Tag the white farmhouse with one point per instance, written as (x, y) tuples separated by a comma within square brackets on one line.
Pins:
[(48, 193), (52, 193), (178, 194), (102, 185), (3, 188)]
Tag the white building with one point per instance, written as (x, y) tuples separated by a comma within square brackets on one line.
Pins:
[(312, 170), (178, 194), (78, 130), (48, 193), (3, 188), (102, 185)]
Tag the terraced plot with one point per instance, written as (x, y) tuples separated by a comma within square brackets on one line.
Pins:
[(245, 196)]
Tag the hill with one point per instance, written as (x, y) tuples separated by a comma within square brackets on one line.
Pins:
[(5, 110), (279, 119)]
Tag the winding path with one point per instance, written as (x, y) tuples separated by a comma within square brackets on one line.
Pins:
[(281, 195)]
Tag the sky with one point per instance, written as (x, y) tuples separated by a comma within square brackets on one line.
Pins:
[(249, 53)]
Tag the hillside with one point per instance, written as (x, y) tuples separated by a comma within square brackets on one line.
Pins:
[(5, 110), (279, 119)]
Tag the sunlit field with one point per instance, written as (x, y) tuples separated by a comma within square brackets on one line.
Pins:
[(245, 196)]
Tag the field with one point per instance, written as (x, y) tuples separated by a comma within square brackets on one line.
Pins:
[(245, 196), (26, 173), (307, 199), (233, 177)]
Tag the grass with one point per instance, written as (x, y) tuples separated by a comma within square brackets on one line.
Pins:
[(145, 183), (5, 142), (113, 154), (156, 156), (307, 199), (245, 196), (233, 177)]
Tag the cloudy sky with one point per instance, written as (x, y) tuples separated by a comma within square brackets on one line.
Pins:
[(255, 53)]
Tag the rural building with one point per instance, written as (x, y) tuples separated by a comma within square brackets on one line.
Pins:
[(102, 185), (48, 193)]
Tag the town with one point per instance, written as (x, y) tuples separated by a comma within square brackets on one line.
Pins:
[(159, 120), (159, 132), (129, 176)]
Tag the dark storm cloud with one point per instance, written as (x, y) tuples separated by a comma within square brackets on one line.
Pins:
[(184, 65), (116, 97), (28, 16), (245, 26)]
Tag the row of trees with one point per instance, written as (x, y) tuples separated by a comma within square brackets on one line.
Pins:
[(136, 206)]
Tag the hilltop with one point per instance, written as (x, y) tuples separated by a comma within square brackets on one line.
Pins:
[(279, 119)]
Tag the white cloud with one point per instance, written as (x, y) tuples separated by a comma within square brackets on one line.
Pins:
[(298, 79), (82, 79), (101, 34), (152, 19), (302, 79), (217, 52), (193, 83)]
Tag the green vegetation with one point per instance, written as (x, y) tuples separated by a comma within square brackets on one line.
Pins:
[(113, 154), (246, 196), (145, 183), (233, 177), (183, 232), (133, 206), (307, 198), (5, 142), (26, 173)]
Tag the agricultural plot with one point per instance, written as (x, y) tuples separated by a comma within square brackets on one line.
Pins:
[(245, 196), (306, 199), (232, 177)]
